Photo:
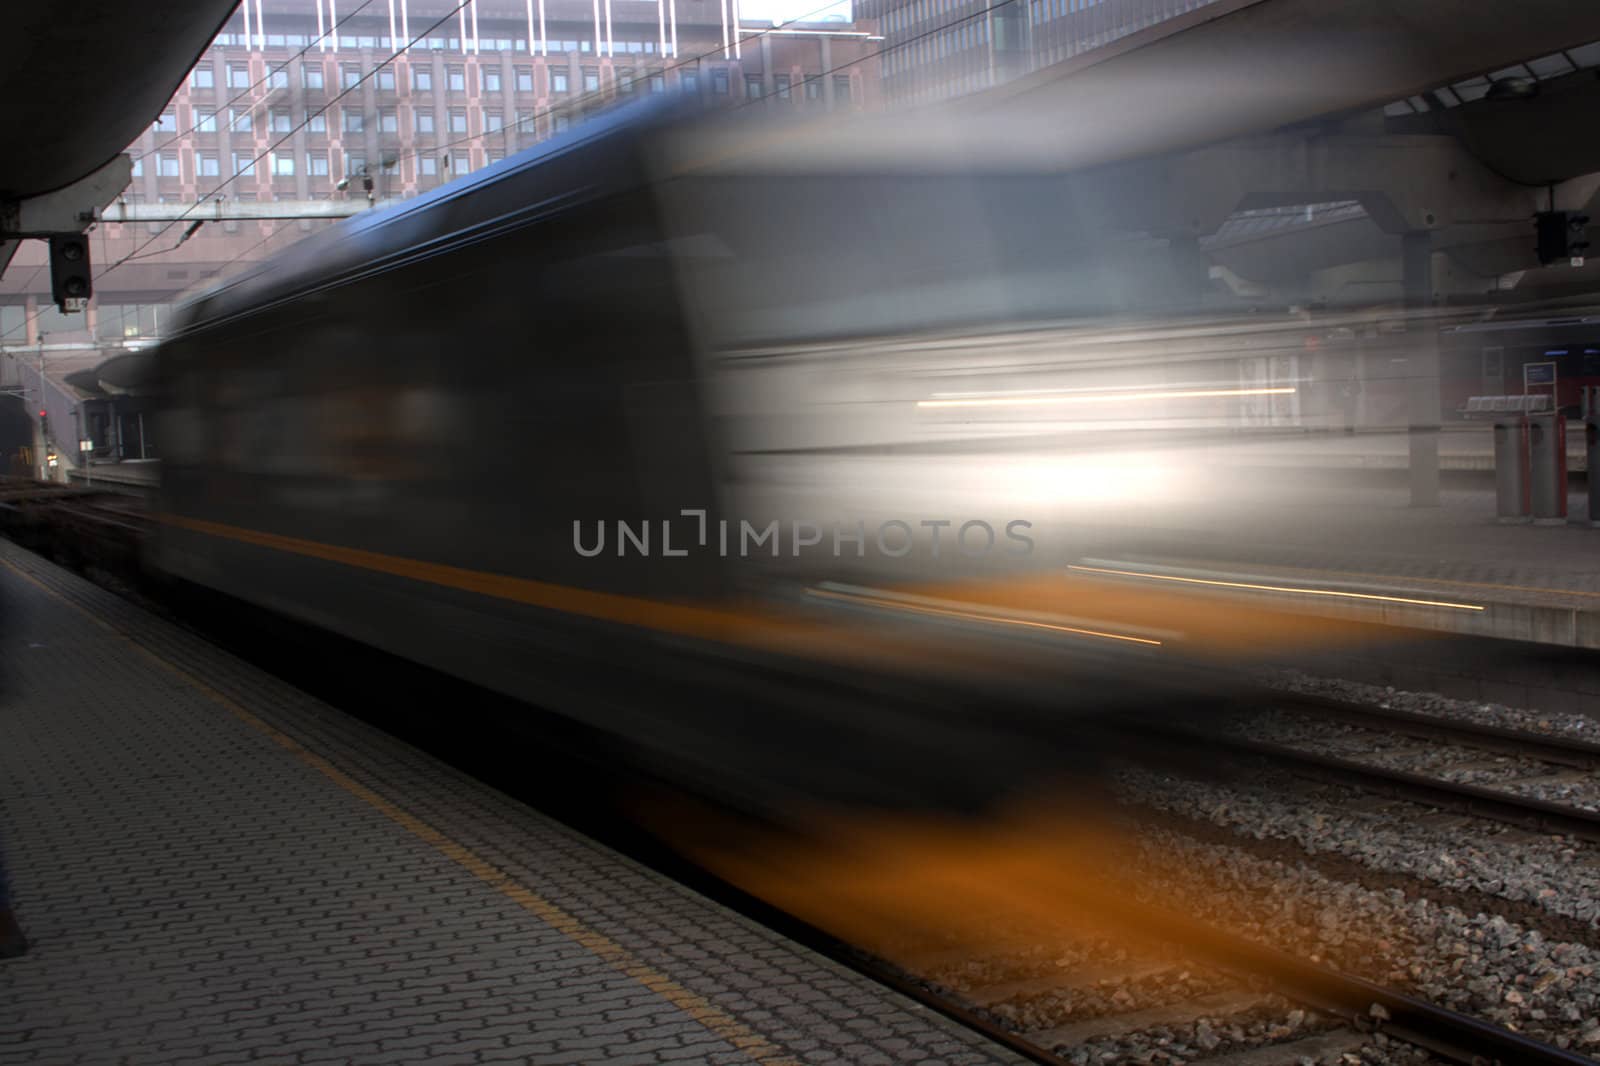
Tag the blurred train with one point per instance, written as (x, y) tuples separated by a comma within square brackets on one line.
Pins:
[(616, 427)]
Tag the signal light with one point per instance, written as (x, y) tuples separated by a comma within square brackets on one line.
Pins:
[(70, 284), (1563, 236)]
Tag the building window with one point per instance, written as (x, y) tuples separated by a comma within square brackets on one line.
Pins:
[(625, 81), (207, 165), (591, 79), (205, 121), (524, 80), (780, 83), (167, 164), (427, 166), (493, 121), (457, 79), (658, 84), (203, 78), (138, 166), (238, 75), (814, 88), (424, 120), (560, 123), (282, 165), (167, 122), (317, 164), (239, 118), (841, 88), (354, 164), (317, 123), (689, 81), (458, 120), (459, 163), (354, 122), (719, 82), (311, 76), (422, 80), (244, 163), (558, 81), (280, 120), (752, 86), (386, 80), (349, 77), (388, 121), (491, 80), (278, 79)]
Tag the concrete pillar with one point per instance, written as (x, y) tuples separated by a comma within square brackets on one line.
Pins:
[(1422, 368), (827, 65)]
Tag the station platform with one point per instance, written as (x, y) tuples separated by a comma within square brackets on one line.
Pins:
[(1323, 545), (1463, 446), (212, 866)]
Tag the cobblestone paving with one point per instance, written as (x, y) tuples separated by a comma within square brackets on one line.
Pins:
[(214, 867)]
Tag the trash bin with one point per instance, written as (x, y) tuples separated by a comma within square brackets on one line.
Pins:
[(1511, 469), (1547, 461)]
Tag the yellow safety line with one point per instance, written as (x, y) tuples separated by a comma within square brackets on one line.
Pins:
[(1273, 588), (607, 950)]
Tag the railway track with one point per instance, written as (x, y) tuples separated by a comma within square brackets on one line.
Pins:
[(1271, 993), (1495, 799)]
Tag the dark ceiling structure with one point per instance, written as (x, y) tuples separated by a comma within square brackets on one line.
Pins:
[(80, 80)]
